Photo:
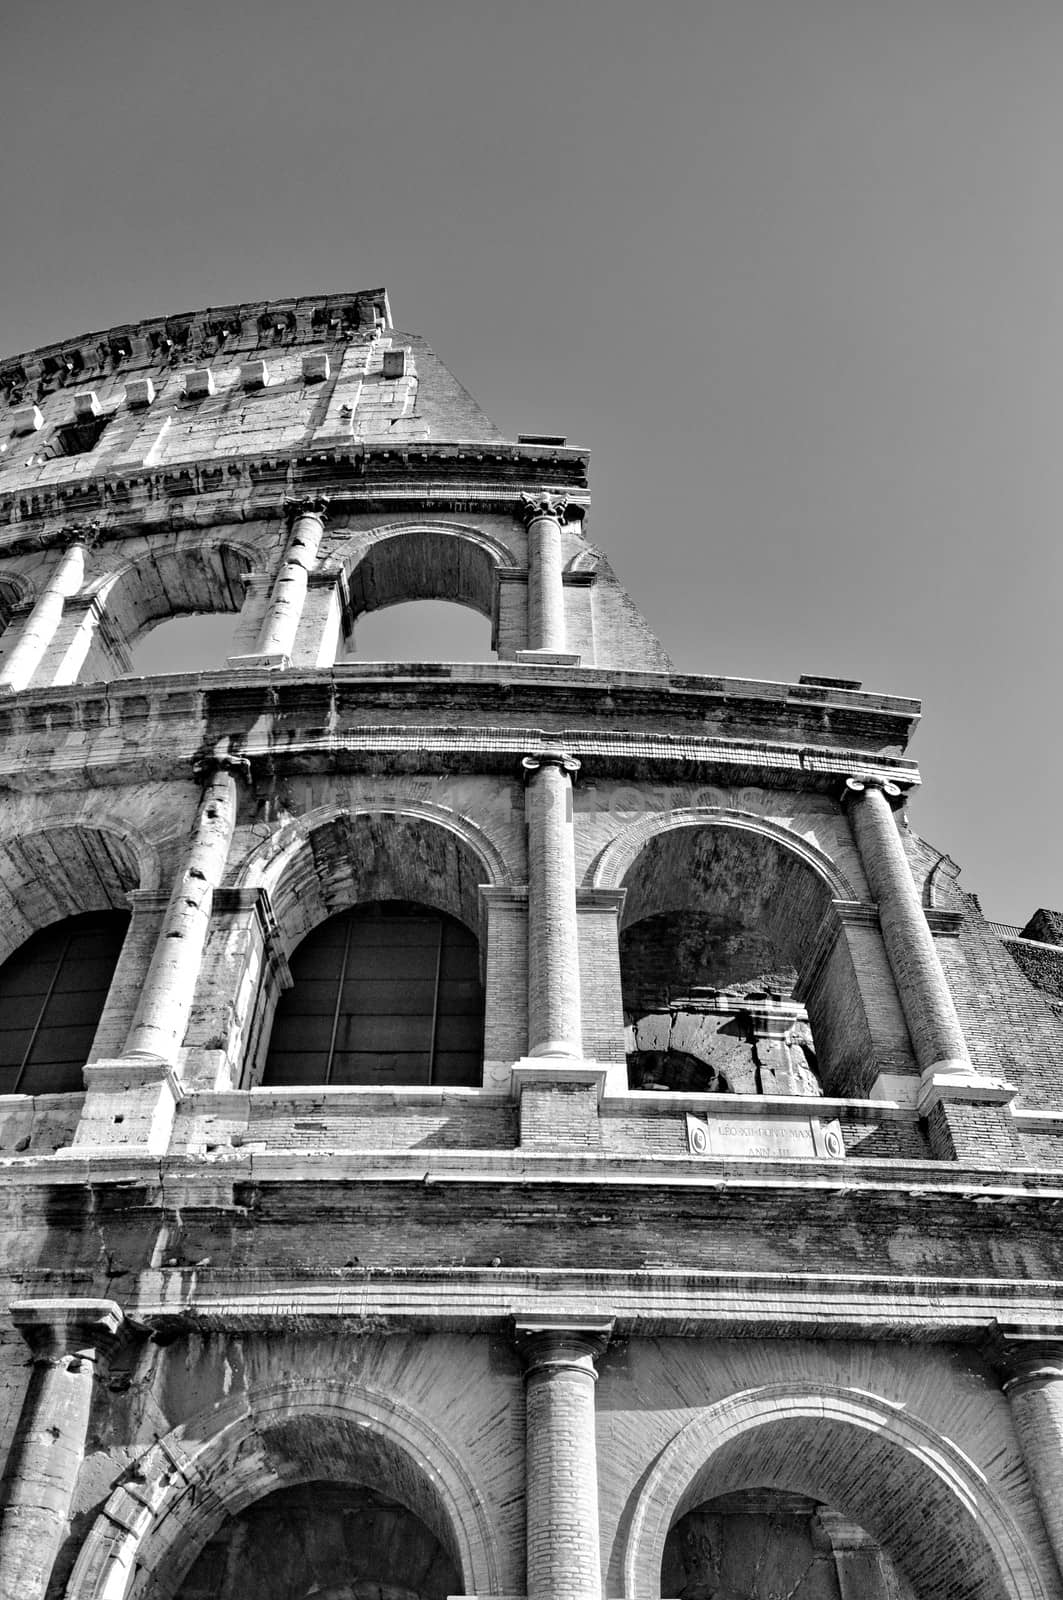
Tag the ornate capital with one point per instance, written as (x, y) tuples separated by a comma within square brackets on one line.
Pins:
[(530, 765), (549, 1344), (857, 786), (1025, 1361), (82, 1329), (308, 505), (206, 767), (550, 507), (85, 533)]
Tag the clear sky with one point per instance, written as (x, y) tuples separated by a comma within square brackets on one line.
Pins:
[(792, 269)]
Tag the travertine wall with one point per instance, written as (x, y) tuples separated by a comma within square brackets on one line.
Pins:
[(532, 1326)]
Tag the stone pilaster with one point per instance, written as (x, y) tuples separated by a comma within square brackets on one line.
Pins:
[(1030, 1368), (132, 1098), (169, 988), (69, 1340), (554, 1020), (564, 1557), (280, 625), (937, 1037), (42, 623)]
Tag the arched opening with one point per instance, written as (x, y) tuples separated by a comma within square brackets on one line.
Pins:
[(763, 1543), (364, 1455), (421, 630), (52, 993), (436, 586), (328, 1541), (871, 1474), (330, 861), (192, 643), (717, 922), (384, 993), (193, 583)]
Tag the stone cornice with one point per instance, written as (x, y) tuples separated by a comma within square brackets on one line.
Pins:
[(650, 1303), (472, 749), (490, 475), (303, 318), (488, 717)]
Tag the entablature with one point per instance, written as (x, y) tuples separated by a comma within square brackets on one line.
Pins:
[(457, 476), (473, 718)]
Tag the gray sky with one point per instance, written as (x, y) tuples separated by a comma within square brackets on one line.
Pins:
[(792, 269)]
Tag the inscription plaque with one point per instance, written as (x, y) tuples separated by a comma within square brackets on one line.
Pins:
[(795, 1138)]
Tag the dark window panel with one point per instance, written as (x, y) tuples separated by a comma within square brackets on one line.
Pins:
[(52, 993), (409, 990)]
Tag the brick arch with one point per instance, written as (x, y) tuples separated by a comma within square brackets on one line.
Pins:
[(928, 1505), (753, 870), (336, 857), (423, 561), (222, 1460), (612, 863), (67, 867), (184, 579)]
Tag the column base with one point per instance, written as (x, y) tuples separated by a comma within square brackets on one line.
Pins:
[(564, 1070), (559, 1103), (967, 1116), (258, 662), (129, 1102), (547, 658), (952, 1082), (902, 1088)]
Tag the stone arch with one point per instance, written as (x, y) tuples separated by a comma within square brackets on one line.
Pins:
[(929, 1506), (220, 1461), (66, 867), (615, 860), (718, 898), (189, 577), (423, 560), (337, 856)]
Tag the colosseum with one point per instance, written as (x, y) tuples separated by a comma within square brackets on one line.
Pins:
[(536, 1127)]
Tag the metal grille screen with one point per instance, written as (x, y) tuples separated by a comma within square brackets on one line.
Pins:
[(384, 994), (52, 994)]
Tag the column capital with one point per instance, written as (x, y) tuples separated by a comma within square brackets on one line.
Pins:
[(530, 765), (1025, 1359), (554, 1344), (68, 1327), (84, 533), (307, 505), (854, 787), (543, 507), (206, 767)]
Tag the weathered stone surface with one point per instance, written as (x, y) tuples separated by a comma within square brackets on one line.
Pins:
[(327, 1290)]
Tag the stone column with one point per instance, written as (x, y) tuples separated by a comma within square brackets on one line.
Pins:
[(925, 997), (554, 1023), (561, 1492), (546, 593), (1031, 1374), (165, 1002), (276, 638), (39, 628), (69, 1338)]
